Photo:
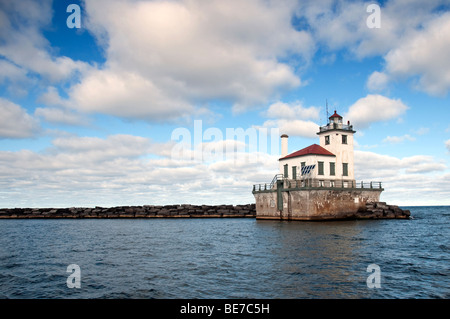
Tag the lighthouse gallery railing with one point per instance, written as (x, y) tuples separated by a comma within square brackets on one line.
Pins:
[(315, 183)]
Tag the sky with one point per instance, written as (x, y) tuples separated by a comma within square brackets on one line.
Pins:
[(183, 101)]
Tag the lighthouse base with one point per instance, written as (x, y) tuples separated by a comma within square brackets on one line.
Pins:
[(313, 203)]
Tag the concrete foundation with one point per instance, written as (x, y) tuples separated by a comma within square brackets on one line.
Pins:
[(313, 203)]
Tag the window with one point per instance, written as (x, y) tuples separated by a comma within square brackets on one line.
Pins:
[(320, 168), (345, 169), (344, 139), (327, 139), (286, 170), (332, 169), (294, 172)]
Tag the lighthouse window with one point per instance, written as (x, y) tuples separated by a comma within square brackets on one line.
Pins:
[(345, 169), (344, 139), (327, 139), (320, 168), (332, 169)]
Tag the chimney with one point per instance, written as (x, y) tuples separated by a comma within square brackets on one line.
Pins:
[(284, 145)]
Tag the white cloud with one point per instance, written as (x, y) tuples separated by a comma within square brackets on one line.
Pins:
[(15, 122), (164, 57), (447, 145), (292, 119), (294, 127), (126, 95), (23, 44), (11, 72), (126, 170), (342, 24), (377, 81), (399, 139), (97, 148), (281, 110), (61, 116), (413, 50), (374, 108), (414, 180), (118, 170), (420, 54), (422, 130)]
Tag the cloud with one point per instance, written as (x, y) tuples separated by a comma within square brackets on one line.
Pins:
[(14, 77), (23, 44), (292, 119), (15, 122), (126, 170), (447, 145), (126, 95), (415, 50), (413, 180), (399, 139), (422, 130), (132, 170), (374, 108), (281, 110), (61, 116), (294, 127), (421, 56), (377, 81), (163, 58)]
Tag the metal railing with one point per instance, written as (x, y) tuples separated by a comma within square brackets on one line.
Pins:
[(315, 183), (338, 126), (266, 186), (276, 178)]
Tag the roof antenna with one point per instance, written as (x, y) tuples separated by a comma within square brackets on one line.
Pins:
[(328, 116)]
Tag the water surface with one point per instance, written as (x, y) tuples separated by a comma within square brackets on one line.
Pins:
[(226, 258)]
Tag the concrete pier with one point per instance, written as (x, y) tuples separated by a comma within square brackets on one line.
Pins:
[(295, 200)]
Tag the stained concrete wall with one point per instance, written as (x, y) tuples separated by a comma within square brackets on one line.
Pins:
[(312, 203)]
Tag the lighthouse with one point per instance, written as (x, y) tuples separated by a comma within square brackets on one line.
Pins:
[(328, 164), (317, 182)]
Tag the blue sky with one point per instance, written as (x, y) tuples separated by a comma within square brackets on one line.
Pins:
[(89, 113)]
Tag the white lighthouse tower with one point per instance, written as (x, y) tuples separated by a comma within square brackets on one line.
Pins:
[(337, 138)]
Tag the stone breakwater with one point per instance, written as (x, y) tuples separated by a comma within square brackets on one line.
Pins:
[(378, 210), (146, 211)]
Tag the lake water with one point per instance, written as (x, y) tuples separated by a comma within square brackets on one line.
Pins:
[(227, 258)]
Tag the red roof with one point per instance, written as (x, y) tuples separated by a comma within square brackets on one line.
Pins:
[(312, 149), (335, 115)]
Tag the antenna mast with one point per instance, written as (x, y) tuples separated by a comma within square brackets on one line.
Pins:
[(328, 117)]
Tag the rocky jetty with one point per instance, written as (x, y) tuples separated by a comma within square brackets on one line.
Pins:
[(146, 211), (380, 210)]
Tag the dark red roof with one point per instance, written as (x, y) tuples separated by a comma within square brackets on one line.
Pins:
[(335, 115), (312, 149)]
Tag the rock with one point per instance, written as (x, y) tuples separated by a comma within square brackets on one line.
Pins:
[(381, 205)]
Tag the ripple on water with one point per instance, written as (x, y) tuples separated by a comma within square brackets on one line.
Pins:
[(226, 258)]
